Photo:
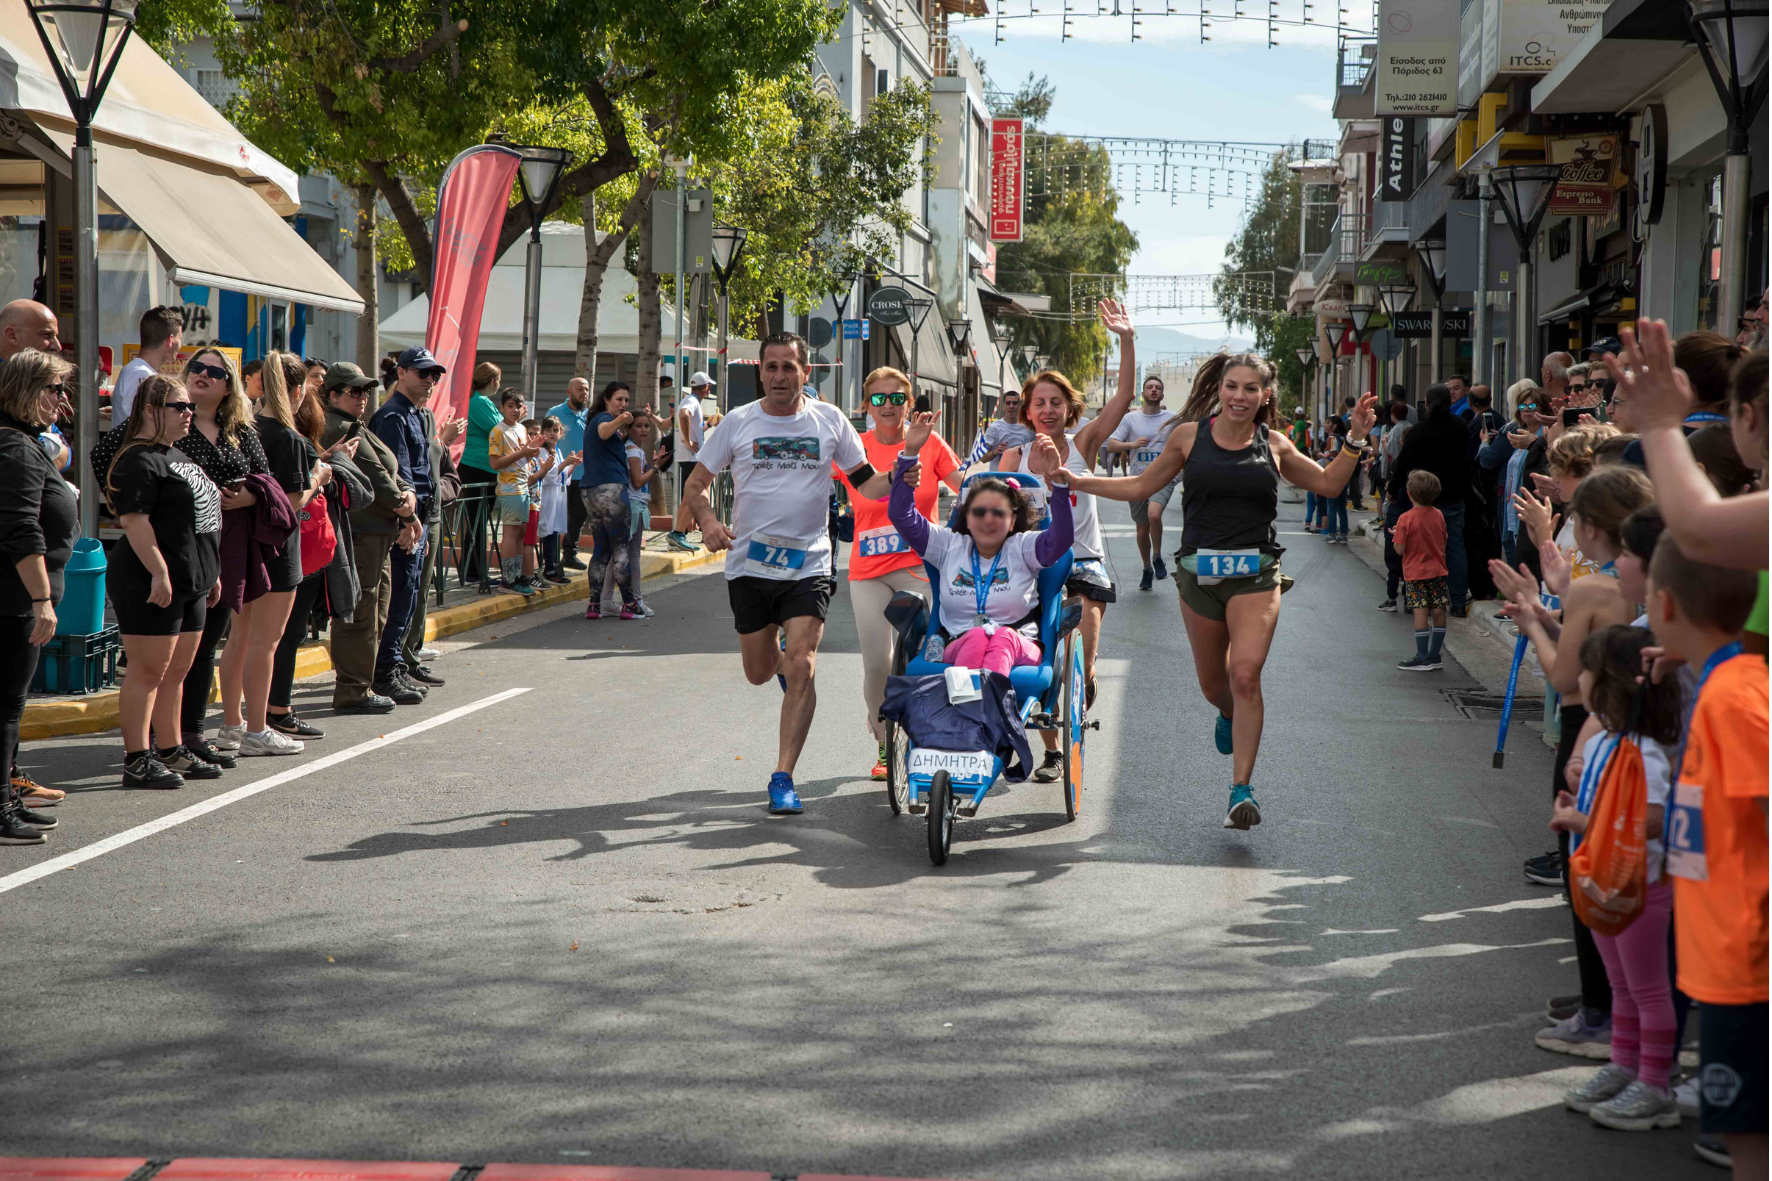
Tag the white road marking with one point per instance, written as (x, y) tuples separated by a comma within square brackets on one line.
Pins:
[(13, 881), (1544, 903)]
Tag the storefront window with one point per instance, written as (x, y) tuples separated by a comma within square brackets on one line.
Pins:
[(1710, 258)]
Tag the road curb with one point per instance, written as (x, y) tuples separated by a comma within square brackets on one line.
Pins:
[(94, 713)]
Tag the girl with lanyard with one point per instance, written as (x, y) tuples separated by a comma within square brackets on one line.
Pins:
[(882, 561), (1001, 599), (1053, 407), (1228, 566), (1598, 508)]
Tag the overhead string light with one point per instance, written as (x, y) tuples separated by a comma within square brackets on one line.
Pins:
[(1139, 13)]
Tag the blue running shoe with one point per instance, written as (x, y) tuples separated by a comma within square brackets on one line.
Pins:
[(1244, 812), (783, 799), (1221, 734), (781, 639), (1161, 570)]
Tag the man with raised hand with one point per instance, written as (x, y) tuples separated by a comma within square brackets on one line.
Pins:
[(778, 548)]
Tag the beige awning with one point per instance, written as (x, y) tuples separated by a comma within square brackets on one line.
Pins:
[(211, 230)]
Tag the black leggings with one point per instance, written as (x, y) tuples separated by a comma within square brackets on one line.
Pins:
[(471, 527), (294, 633), (18, 664), (606, 505), (1596, 989), (201, 679)]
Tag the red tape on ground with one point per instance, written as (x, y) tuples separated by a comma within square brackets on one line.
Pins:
[(68, 1168), (204, 1169)]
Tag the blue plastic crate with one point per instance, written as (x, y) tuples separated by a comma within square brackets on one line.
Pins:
[(78, 664)]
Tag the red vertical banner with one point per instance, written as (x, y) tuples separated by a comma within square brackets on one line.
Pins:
[(471, 201), (1007, 163)]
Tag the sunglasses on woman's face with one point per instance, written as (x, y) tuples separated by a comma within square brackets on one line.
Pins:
[(985, 510), (214, 371), (897, 399), (181, 407)]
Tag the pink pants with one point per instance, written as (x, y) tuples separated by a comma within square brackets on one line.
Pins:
[(1642, 996), (998, 652)]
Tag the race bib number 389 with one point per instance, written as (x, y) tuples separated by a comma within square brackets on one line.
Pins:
[(876, 543)]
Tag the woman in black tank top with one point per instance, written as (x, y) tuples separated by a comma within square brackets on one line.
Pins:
[(1228, 566)]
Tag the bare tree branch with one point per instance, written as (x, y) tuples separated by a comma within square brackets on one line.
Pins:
[(445, 35), (617, 160)]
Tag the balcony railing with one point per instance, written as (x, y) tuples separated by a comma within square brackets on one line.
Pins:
[(1346, 239)]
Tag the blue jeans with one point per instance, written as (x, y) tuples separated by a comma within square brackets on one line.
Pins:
[(1336, 513), (409, 571), (1457, 562), (1310, 506)]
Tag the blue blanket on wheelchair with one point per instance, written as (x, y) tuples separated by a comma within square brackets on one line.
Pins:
[(992, 723)]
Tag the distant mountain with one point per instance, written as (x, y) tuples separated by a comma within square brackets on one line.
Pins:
[(1155, 341)]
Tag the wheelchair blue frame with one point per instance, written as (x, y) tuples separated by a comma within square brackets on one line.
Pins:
[(1050, 693)]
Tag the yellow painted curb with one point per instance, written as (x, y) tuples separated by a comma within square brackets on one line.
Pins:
[(97, 712)]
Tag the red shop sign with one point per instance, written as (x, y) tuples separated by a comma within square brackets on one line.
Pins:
[(1006, 179)]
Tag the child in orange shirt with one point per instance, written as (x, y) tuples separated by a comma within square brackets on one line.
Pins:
[(1420, 536), (1716, 841)]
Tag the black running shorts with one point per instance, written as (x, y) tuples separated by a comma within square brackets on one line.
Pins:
[(759, 602)]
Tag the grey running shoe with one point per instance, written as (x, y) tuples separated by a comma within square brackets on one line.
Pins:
[(1686, 1096), (1576, 1037), (1637, 1108), (1606, 1082), (227, 738)]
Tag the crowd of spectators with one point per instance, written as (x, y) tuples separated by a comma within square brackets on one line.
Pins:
[(261, 505)]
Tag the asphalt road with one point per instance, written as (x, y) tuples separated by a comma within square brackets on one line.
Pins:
[(559, 927)]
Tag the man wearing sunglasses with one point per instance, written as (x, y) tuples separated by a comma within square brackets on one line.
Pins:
[(162, 335)]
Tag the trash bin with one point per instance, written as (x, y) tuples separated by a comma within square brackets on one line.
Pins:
[(82, 610)]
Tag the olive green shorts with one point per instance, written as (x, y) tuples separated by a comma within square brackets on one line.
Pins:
[(1210, 601)]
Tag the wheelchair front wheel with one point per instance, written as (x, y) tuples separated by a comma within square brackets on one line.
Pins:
[(941, 817)]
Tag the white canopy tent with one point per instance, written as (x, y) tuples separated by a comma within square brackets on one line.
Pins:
[(562, 292)]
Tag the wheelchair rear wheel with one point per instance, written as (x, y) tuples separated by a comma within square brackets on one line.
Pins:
[(1071, 710), (941, 818), (898, 752)]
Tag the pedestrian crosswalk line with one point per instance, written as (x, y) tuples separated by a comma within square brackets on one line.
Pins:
[(25, 877)]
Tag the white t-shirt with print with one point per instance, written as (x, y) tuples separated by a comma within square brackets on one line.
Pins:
[(1139, 425), (781, 483), (1014, 588), (123, 393)]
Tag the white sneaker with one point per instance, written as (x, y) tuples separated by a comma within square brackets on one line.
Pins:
[(268, 742), (642, 609), (228, 737), (1686, 1096), (429, 654)]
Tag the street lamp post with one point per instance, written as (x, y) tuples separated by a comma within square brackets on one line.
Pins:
[(728, 245), (537, 176), (1731, 36), (1028, 353), (918, 306), (1336, 331), (1432, 255), (84, 40), (1524, 192), (1307, 356), (1395, 298)]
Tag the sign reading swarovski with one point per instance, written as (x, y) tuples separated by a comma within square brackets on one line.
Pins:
[(1416, 71)]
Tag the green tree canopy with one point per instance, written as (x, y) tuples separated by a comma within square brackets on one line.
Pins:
[(1267, 242)]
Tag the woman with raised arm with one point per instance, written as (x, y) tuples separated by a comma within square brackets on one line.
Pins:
[(1228, 566), (1051, 406)]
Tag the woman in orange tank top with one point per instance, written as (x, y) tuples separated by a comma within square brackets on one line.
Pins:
[(881, 562)]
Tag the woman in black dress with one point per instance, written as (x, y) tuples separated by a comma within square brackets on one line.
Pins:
[(163, 577), (246, 663), (39, 518)]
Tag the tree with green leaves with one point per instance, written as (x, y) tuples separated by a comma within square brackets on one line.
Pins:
[(1266, 242), (1070, 225)]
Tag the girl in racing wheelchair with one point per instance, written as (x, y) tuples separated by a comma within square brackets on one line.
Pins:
[(989, 564)]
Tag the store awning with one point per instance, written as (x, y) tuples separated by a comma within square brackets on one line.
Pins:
[(148, 102), (1635, 45), (211, 230)]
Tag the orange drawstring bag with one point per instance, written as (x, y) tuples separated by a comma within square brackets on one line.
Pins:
[(1609, 872)]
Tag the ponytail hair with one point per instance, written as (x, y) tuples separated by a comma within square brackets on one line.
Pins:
[(1202, 400), (274, 382), (151, 394)]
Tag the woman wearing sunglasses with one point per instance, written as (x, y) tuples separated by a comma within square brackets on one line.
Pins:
[(163, 579), (881, 561), (39, 519)]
